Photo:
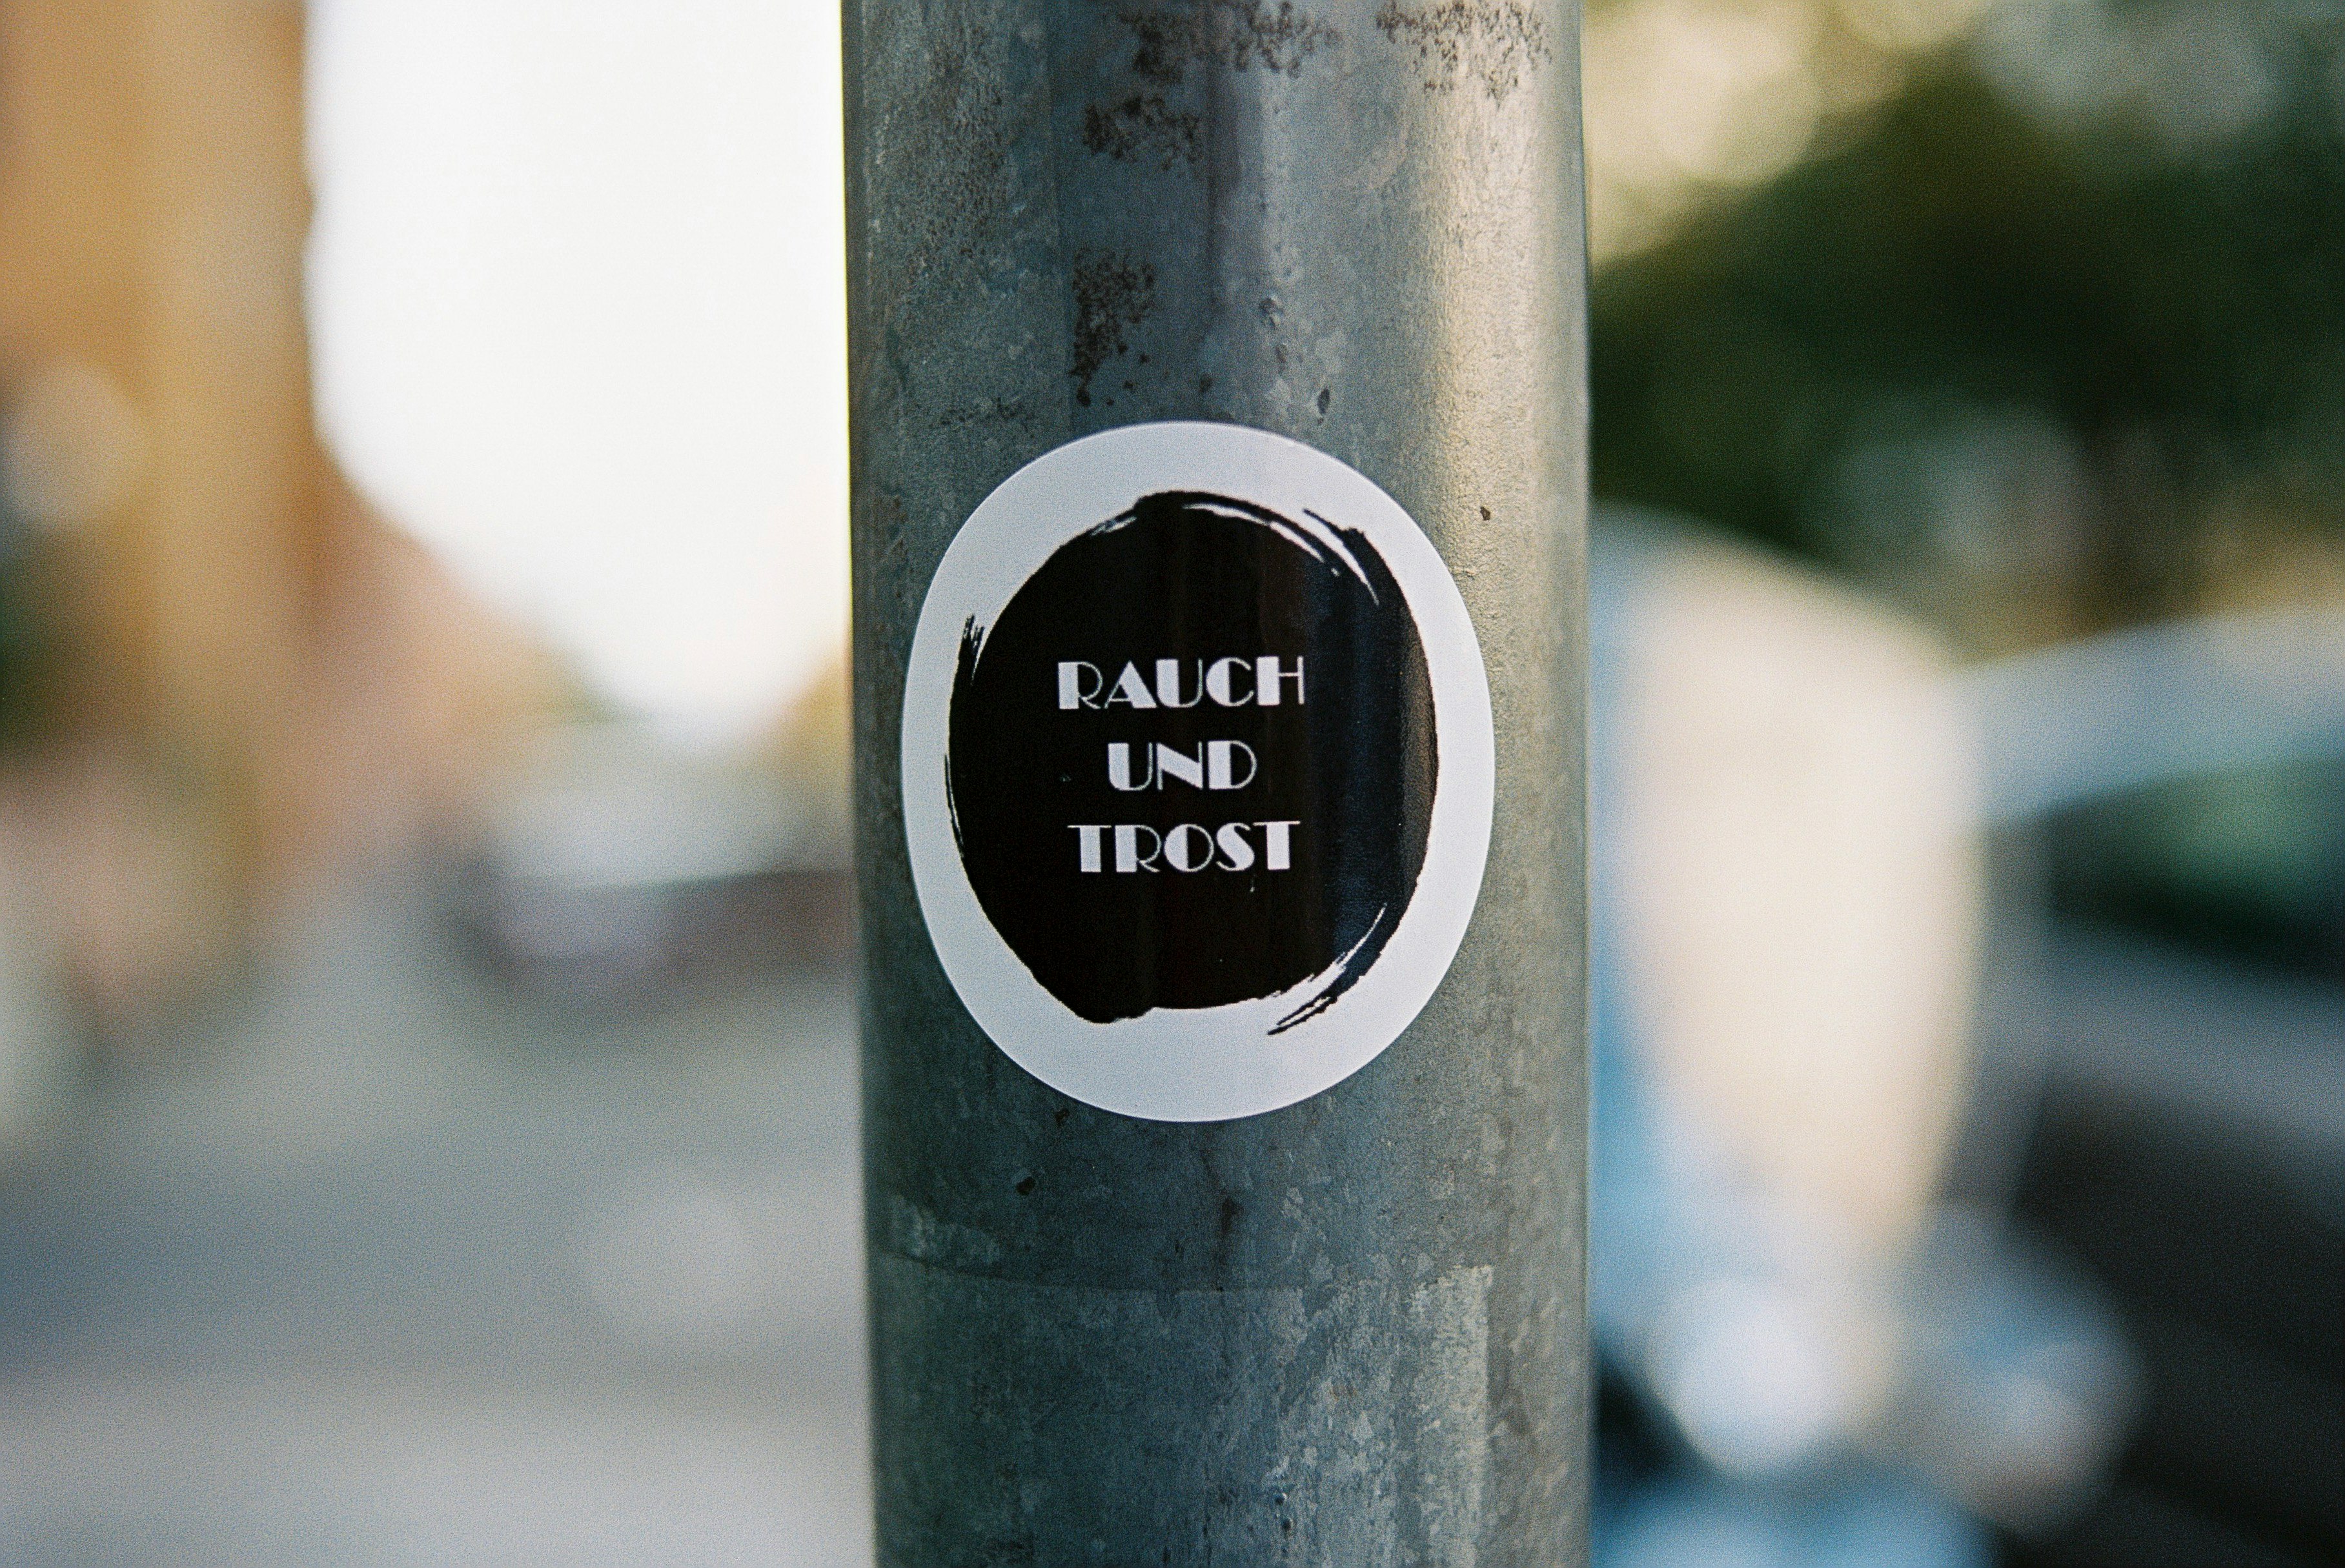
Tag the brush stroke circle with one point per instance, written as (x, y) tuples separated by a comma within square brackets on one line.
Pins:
[(1215, 995), (1161, 616)]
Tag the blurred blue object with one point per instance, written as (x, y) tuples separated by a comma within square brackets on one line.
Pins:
[(1833, 1383), (1687, 1520), (1832, 1396), (2155, 704)]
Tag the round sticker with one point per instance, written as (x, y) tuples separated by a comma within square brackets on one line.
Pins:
[(1197, 767)]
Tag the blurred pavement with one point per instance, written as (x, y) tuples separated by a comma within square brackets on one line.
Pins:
[(390, 1267)]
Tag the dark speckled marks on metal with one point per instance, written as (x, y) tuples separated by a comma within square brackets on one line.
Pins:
[(1239, 33), (1494, 42), (1112, 295), (1169, 56), (1144, 124), (1143, 128)]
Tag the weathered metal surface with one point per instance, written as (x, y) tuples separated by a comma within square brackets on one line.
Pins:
[(1350, 1332)]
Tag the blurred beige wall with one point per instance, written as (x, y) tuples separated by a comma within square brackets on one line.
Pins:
[(150, 236), (261, 685)]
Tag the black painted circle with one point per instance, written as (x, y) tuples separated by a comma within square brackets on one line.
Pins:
[(1195, 579)]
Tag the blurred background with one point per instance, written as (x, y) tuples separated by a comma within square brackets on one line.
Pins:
[(426, 1035)]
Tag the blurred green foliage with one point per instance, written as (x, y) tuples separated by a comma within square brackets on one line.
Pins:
[(1993, 348), (2249, 863), (23, 646), (2108, 341)]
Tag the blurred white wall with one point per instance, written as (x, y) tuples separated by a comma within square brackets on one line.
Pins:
[(577, 300), (1800, 891)]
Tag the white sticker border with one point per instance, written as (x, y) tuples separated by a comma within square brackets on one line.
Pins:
[(1203, 1064)]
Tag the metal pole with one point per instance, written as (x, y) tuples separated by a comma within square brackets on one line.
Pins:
[(1306, 1292)]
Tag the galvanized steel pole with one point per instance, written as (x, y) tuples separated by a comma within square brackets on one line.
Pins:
[(1350, 1330)]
